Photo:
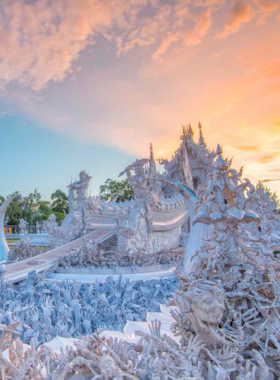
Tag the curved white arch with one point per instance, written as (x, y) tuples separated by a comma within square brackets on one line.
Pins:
[(4, 249)]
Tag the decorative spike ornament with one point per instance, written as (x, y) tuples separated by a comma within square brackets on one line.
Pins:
[(201, 140), (190, 132)]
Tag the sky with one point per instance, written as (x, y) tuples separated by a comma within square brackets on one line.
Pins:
[(88, 84)]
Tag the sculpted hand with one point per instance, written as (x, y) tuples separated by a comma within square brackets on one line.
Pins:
[(215, 372), (247, 373), (250, 316), (154, 328), (194, 346), (263, 368)]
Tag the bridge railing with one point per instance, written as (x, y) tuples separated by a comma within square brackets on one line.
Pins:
[(14, 229)]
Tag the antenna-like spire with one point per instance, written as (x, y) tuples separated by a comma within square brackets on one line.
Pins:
[(201, 140), (153, 161), (219, 150), (152, 157)]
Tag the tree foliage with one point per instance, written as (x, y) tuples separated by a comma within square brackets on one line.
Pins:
[(14, 211), (32, 208), (118, 191), (60, 201)]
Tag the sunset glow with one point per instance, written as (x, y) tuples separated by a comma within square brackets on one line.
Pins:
[(120, 74)]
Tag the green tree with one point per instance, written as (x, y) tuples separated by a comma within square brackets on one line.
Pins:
[(44, 210), (30, 207), (59, 202), (14, 210), (59, 216), (118, 191)]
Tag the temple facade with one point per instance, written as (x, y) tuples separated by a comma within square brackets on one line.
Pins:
[(191, 163)]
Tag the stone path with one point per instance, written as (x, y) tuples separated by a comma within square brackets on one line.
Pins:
[(49, 260)]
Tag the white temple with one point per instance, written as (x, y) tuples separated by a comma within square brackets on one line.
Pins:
[(199, 219)]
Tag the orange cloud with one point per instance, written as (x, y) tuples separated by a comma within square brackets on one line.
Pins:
[(202, 26), (170, 38), (248, 148), (239, 15), (148, 32), (206, 3), (41, 40), (267, 5), (272, 70), (265, 8), (269, 158), (271, 180)]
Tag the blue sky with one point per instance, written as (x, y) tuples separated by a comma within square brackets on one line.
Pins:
[(34, 157)]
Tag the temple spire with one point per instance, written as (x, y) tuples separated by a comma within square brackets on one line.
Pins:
[(201, 140), (219, 150), (152, 159), (190, 132)]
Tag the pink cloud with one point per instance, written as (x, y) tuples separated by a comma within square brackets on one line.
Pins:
[(267, 5), (206, 3), (148, 31), (240, 14), (265, 8), (202, 26), (41, 40), (170, 38)]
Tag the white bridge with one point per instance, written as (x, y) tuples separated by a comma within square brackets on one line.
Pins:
[(49, 260)]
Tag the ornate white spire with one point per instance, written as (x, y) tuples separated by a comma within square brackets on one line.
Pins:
[(201, 140), (152, 161), (221, 163), (187, 174), (152, 157), (190, 132)]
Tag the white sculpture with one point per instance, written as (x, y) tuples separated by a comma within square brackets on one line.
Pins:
[(78, 191), (22, 225), (136, 226), (66, 233), (229, 291), (139, 181)]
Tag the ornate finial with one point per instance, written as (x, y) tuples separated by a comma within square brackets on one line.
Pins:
[(152, 158), (190, 132), (221, 163), (201, 140), (219, 150), (184, 132), (152, 161)]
